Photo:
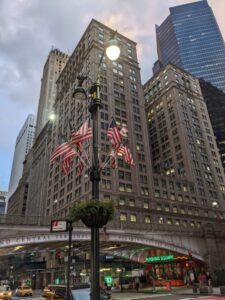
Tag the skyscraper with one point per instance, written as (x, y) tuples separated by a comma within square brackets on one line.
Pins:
[(53, 67), (24, 142), (191, 39)]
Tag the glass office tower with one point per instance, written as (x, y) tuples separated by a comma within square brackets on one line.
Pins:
[(190, 38)]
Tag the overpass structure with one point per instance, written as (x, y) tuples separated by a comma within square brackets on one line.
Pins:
[(24, 234)]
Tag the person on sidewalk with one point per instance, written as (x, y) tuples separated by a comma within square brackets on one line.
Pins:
[(137, 284)]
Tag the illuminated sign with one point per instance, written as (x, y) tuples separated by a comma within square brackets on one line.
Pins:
[(153, 259), (108, 280)]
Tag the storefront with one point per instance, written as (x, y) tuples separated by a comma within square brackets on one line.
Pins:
[(179, 269)]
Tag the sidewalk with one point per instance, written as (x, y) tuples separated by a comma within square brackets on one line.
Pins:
[(147, 293), (189, 291)]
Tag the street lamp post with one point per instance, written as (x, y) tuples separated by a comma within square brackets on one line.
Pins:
[(70, 229), (65, 226), (112, 51)]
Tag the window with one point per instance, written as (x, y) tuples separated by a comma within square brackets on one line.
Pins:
[(167, 208), (159, 207), (177, 222), (182, 210), (147, 220), (172, 196), (169, 221), (157, 193), (123, 217), (132, 202), (160, 220), (133, 218), (175, 209), (146, 205), (121, 201)]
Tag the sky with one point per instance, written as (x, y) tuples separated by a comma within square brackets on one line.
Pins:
[(30, 28)]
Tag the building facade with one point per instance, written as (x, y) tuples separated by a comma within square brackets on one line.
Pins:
[(53, 67), (17, 203), (191, 39), (3, 196), (24, 143), (188, 175)]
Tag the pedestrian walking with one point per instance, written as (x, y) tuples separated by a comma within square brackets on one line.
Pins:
[(137, 284)]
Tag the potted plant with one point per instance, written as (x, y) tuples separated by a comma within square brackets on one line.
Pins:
[(93, 213)]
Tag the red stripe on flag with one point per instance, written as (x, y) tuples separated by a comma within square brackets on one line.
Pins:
[(125, 151), (60, 150)]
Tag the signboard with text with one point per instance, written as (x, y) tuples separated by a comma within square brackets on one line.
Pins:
[(59, 226), (159, 258)]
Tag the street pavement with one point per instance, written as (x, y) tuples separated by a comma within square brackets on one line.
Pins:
[(148, 294)]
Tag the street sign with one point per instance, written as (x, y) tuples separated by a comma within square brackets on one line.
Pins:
[(59, 226)]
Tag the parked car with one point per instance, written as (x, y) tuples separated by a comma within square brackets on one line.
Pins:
[(24, 291), (77, 292), (5, 292), (47, 293)]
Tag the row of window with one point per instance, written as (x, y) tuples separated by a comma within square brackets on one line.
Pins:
[(132, 217)]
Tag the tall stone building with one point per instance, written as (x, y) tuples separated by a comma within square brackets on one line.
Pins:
[(17, 204), (39, 167), (122, 98), (53, 67), (188, 176)]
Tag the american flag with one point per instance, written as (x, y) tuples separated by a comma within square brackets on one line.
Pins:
[(83, 133), (114, 134), (67, 161), (60, 150), (80, 168), (113, 161), (124, 131), (80, 147), (125, 151)]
